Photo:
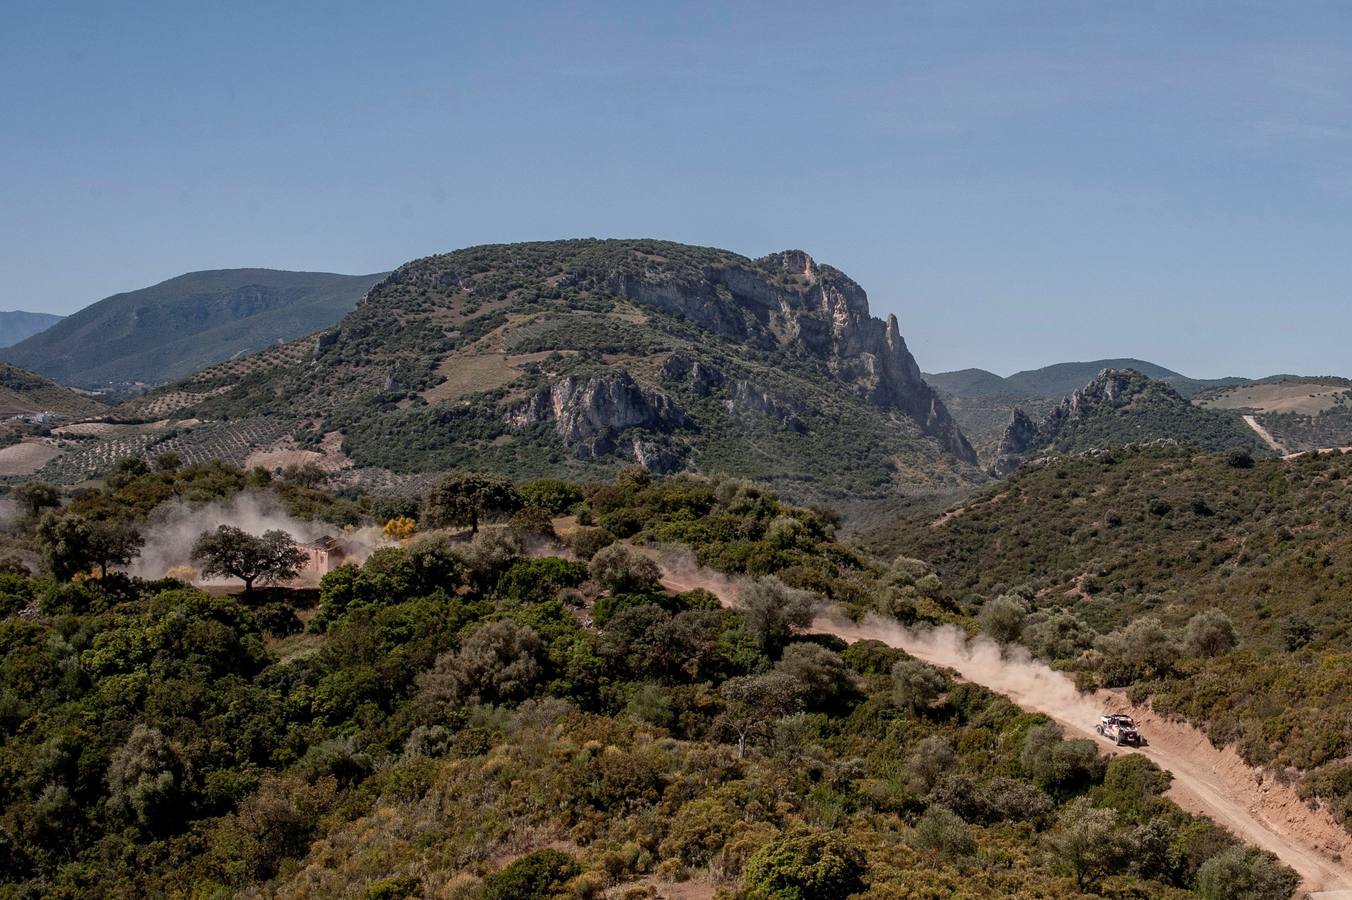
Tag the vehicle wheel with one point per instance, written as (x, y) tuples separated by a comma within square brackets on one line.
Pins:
[(1099, 729), (1120, 742)]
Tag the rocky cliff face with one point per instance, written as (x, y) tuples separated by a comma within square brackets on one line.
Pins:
[(1021, 435), (787, 301), (587, 414)]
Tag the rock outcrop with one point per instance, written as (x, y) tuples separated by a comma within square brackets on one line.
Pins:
[(1021, 435), (749, 397), (702, 378), (589, 414), (1111, 390), (787, 301), (658, 457)]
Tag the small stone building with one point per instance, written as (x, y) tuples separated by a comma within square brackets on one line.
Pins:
[(324, 555)]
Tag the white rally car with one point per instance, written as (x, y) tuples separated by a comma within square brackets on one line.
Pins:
[(1119, 728)]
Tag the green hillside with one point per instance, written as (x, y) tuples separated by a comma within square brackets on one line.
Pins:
[(983, 402), (1119, 407), (25, 392), (1062, 378), (178, 326), (1108, 558), (1301, 413), (970, 383)]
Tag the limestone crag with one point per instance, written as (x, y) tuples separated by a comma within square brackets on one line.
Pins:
[(702, 378), (812, 309), (749, 397), (1110, 389), (583, 410), (1021, 435)]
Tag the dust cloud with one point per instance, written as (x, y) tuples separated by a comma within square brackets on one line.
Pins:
[(173, 529), (1009, 670), (682, 572)]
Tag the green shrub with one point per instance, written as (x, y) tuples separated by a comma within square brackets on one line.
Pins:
[(587, 542), (944, 832), (1241, 873), (539, 580), (805, 866), (550, 494), (541, 875)]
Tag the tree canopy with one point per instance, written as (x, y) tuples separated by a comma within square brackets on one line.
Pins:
[(234, 553), (466, 499)]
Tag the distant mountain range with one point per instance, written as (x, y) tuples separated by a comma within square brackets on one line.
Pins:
[(18, 325), (176, 327)]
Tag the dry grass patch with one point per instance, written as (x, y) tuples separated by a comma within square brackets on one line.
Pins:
[(26, 458), (1305, 397), (474, 373)]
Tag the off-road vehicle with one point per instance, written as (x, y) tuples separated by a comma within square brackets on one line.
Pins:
[(1119, 728)]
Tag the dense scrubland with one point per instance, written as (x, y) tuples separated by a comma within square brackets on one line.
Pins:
[(1215, 586), (529, 713)]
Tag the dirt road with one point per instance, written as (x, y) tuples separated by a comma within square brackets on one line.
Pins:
[(1210, 782), (1252, 422)]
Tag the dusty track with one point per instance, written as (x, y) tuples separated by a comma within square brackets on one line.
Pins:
[(1207, 781), (1211, 782), (1252, 422)]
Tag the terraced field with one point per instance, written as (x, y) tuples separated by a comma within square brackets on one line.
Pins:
[(229, 441), (82, 462), (162, 405), (103, 444)]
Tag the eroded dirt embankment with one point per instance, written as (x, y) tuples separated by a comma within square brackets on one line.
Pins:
[(1207, 781)]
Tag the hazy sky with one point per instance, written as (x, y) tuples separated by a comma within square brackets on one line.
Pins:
[(1021, 183)]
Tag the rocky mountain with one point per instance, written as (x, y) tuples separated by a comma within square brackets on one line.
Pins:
[(1117, 407), (17, 325), (176, 327), (567, 356), (982, 402)]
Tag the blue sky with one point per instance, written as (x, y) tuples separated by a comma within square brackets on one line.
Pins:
[(1021, 183)]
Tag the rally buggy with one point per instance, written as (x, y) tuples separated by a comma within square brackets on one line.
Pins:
[(1119, 728)]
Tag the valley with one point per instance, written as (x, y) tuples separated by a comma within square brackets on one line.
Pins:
[(869, 451)]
